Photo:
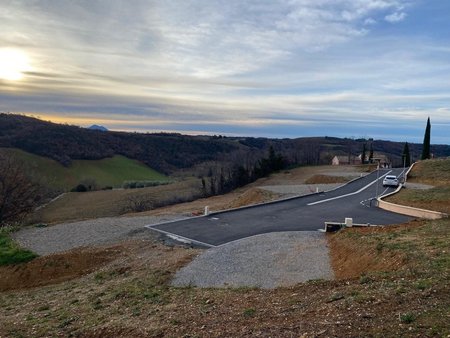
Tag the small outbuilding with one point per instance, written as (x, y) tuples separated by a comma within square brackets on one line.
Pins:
[(345, 160)]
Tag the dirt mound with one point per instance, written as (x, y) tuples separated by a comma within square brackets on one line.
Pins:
[(55, 268), (351, 259), (325, 179), (253, 196)]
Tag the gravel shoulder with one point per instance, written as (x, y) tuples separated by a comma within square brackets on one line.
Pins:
[(67, 236), (267, 261), (417, 186)]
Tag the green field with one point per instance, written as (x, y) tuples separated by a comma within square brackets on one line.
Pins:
[(105, 172)]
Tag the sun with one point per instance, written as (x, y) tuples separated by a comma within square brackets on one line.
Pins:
[(13, 64)]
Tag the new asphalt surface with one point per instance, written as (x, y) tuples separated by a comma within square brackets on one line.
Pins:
[(305, 213)]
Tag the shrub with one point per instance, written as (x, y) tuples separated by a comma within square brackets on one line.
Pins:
[(142, 184), (18, 193), (250, 312), (407, 318), (79, 188)]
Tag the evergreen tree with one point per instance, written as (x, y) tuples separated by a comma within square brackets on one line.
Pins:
[(212, 186), (204, 192), (426, 142), (363, 155), (406, 156), (221, 189), (371, 153)]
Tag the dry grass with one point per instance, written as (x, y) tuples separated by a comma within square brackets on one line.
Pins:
[(85, 205), (432, 172)]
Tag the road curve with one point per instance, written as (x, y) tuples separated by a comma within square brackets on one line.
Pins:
[(299, 214)]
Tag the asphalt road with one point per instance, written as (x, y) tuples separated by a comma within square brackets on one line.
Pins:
[(299, 214)]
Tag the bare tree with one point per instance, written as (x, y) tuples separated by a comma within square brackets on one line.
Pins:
[(138, 203), (18, 194)]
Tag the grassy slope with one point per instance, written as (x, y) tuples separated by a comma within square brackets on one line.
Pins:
[(432, 172), (107, 203), (106, 172)]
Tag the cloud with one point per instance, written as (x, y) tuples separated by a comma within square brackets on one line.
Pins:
[(196, 38), (223, 64), (370, 21), (395, 17)]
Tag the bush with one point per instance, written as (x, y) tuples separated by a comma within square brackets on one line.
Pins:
[(79, 188), (18, 193), (138, 204), (145, 203), (142, 184)]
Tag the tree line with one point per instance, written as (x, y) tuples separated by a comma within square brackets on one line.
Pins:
[(223, 179)]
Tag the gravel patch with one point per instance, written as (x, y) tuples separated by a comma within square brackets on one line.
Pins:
[(66, 236), (299, 189), (417, 186), (267, 261)]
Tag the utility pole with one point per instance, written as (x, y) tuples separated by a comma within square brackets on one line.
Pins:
[(378, 177)]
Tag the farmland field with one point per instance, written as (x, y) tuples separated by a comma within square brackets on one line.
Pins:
[(105, 172)]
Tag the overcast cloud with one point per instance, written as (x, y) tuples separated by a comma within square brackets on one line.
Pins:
[(285, 68)]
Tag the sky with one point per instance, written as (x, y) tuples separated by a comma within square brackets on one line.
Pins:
[(273, 68)]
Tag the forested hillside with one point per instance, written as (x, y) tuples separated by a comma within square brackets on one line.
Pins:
[(170, 152), (64, 143)]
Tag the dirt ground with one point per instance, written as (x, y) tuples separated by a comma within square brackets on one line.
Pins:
[(350, 260), (56, 268), (129, 296)]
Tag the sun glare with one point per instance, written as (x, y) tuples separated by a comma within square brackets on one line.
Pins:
[(13, 64)]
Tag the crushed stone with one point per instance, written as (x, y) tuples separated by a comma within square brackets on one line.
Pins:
[(266, 261)]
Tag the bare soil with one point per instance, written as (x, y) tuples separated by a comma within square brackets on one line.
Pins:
[(56, 268), (130, 296), (326, 179), (351, 260)]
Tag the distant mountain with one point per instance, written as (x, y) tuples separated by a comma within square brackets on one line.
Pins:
[(97, 127)]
